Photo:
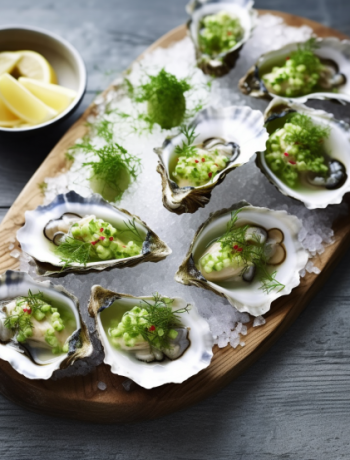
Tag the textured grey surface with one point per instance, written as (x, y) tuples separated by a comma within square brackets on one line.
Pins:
[(295, 402)]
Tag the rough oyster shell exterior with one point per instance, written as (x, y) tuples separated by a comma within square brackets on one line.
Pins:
[(34, 243), (249, 299), (150, 375), (327, 48), (240, 125), (339, 139), (14, 284)]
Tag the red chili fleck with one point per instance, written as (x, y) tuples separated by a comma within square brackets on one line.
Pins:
[(287, 58), (102, 238), (229, 32), (124, 246), (152, 328), (286, 154), (101, 229), (203, 160), (210, 174), (25, 309), (111, 238), (29, 310), (196, 161), (216, 164), (292, 162), (94, 242), (235, 246), (240, 249)]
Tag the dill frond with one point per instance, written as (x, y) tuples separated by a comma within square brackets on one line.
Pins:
[(250, 254), (73, 251), (187, 148)]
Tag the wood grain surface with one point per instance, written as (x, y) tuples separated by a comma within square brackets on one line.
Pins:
[(79, 397)]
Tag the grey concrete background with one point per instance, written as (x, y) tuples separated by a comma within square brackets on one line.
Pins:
[(292, 404)]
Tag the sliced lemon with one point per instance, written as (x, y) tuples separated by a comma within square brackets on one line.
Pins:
[(7, 118), (22, 102), (34, 65), (55, 96), (8, 61)]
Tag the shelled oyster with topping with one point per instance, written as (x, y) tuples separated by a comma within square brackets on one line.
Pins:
[(151, 340), (316, 69), (219, 29), (79, 234), (307, 155), (41, 330), (196, 160), (250, 255)]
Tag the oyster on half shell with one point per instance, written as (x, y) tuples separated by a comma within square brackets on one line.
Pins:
[(334, 82), (47, 226), (236, 131), (247, 295), (192, 351), (220, 63), (34, 358), (315, 191)]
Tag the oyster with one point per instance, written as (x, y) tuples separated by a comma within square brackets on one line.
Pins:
[(332, 80), (188, 353), (45, 350), (49, 226), (237, 16), (274, 238), (233, 134), (316, 189)]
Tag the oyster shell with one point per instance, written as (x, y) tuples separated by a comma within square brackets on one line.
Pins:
[(247, 297), (241, 126), (223, 62), (194, 358), (31, 359), (318, 192), (34, 242), (335, 55)]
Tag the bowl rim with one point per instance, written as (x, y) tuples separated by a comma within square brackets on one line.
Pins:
[(82, 82)]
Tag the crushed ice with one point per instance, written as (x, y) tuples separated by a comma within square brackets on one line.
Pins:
[(144, 198)]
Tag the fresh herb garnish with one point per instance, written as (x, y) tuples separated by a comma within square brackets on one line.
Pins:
[(131, 227), (42, 187), (73, 251), (164, 94), (305, 55), (115, 168), (249, 253), (158, 321), (187, 148), (310, 136), (21, 321)]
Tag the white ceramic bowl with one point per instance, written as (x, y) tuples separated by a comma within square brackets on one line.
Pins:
[(63, 57)]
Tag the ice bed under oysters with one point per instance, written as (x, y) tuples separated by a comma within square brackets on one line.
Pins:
[(144, 196)]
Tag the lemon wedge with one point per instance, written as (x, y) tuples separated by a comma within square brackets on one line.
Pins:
[(22, 102), (55, 96), (8, 61), (34, 65), (7, 118)]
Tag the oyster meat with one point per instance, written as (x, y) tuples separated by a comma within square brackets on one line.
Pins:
[(307, 155), (101, 235), (219, 29), (283, 73), (142, 345), (249, 255), (195, 161), (41, 330)]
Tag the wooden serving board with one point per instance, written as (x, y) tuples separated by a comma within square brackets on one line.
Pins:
[(79, 397)]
